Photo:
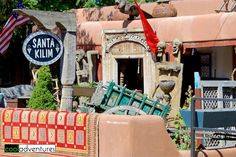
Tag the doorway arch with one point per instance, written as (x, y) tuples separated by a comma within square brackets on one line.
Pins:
[(121, 49)]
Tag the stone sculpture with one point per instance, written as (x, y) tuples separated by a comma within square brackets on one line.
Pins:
[(158, 57), (82, 67), (92, 57), (126, 8), (161, 46), (176, 46)]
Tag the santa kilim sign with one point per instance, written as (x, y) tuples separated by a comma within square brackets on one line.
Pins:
[(42, 48)]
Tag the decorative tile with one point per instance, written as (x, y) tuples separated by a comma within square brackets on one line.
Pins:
[(7, 132), (16, 132), (42, 117), (80, 119), (51, 135), (33, 116), (60, 136), (70, 119), (42, 134), (7, 115), (24, 132), (16, 116), (52, 117), (79, 137), (70, 136), (33, 133), (61, 118), (25, 116)]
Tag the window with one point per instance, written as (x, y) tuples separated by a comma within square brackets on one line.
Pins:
[(205, 69)]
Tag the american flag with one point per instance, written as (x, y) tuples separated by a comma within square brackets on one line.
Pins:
[(13, 22)]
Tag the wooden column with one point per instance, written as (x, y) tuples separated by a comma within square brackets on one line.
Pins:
[(68, 71)]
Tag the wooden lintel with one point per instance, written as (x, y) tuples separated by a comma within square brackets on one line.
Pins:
[(50, 19), (199, 44)]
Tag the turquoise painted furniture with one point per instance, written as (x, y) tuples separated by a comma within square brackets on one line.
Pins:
[(210, 118), (112, 95)]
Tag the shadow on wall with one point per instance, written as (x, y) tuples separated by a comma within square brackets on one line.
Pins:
[(97, 14), (84, 38)]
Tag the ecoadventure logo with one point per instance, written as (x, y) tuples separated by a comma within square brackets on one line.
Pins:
[(16, 148)]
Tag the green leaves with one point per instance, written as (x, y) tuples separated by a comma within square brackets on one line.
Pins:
[(31, 4), (42, 97), (182, 136), (92, 3)]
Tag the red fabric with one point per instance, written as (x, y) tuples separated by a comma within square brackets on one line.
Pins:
[(63, 129), (151, 37)]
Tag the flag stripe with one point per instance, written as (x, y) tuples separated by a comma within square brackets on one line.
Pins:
[(6, 43), (151, 37), (8, 25), (11, 19), (5, 40), (8, 29), (22, 20)]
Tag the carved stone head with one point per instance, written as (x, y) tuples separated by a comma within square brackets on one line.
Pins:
[(176, 46), (80, 54), (161, 46)]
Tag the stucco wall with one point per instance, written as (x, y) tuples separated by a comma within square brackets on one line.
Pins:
[(223, 62)]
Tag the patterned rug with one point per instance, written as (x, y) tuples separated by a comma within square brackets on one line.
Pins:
[(72, 133)]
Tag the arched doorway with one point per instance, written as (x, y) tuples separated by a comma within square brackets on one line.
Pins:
[(126, 60)]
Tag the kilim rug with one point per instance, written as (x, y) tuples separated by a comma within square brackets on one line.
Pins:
[(72, 133)]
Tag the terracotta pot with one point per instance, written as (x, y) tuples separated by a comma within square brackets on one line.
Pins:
[(164, 10), (117, 15)]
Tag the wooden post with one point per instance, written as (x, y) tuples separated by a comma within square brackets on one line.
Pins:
[(198, 105), (68, 71), (66, 22)]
